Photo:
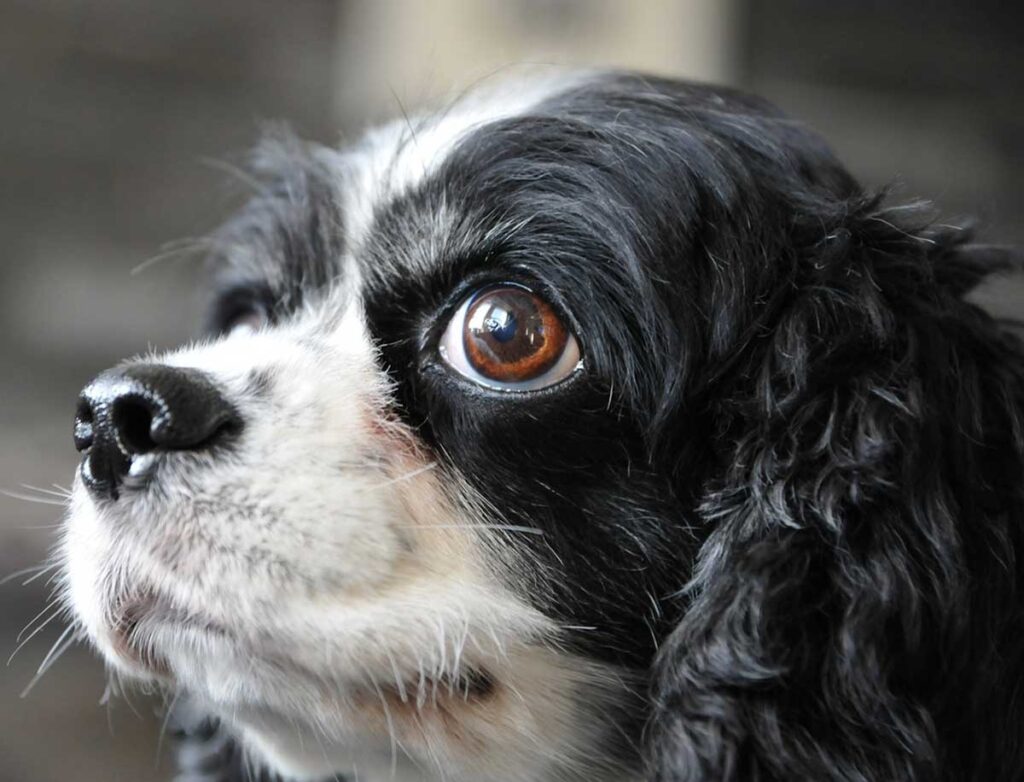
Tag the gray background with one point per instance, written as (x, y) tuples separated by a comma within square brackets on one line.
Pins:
[(121, 119)]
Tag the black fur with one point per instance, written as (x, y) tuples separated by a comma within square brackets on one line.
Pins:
[(206, 752), (790, 483)]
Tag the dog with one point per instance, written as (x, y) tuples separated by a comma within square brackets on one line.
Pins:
[(600, 427)]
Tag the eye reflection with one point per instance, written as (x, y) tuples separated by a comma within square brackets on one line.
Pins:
[(508, 337)]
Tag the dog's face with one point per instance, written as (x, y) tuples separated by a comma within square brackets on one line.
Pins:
[(431, 485)]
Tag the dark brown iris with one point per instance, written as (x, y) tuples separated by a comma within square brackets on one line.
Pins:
[(512, 335)]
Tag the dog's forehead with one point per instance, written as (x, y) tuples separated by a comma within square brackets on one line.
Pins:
[(415, 193), (304, 229), (393, 160)]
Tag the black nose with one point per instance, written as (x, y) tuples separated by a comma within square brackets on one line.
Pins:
[(147, 408)]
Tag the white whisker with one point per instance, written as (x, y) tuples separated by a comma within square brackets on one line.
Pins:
[(56, 652), (36, 569), (43, 572), (500, 527), (29, 498), (35, 618), (61, 494), (33, 634), (182, 248), (405, 476)]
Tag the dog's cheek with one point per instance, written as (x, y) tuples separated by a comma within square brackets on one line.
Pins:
[(305, 494), (334, 561)]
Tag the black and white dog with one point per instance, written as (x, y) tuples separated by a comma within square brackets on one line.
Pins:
[(600, 428)]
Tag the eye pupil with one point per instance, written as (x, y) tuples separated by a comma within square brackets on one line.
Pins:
[(512, 335)]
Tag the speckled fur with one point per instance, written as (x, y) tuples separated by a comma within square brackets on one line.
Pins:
[(771, 531)]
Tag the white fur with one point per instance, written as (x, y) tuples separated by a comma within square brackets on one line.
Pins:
[(318, 585), (392, 159)]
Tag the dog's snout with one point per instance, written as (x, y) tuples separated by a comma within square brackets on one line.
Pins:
[(126, 413)]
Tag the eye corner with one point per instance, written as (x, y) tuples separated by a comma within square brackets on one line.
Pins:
[(240, 306)]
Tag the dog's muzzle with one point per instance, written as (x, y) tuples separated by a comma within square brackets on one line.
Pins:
[(126, 414)]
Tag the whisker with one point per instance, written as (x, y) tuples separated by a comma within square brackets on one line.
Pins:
[(56, 652), (408, 122), (29, 498), (182, 248), (44, 571), (63, 494), (239, 173), (37, 569), (109, 693), (33, 620), (32, 635), (369, 465), (500, 527), (105, 700), (405, 476), (57, 649)]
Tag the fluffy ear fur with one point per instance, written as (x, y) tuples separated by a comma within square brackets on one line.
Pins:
[(855, 612)]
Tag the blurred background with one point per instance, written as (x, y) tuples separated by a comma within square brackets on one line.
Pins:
[(120, 121)]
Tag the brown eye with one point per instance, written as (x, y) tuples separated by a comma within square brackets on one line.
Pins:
[(509, 338), (511, 335)]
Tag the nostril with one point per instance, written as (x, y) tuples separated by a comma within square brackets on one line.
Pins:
[(83, 425), (146, 409), (133, 420)]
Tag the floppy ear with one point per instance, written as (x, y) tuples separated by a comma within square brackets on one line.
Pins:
[(853, 614)]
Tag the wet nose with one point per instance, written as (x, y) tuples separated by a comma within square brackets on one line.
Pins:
[(148, 408)]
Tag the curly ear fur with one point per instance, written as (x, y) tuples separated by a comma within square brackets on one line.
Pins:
[(855, 615)]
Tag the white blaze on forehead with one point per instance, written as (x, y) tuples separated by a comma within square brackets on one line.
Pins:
[(393, 159)]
